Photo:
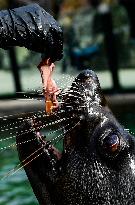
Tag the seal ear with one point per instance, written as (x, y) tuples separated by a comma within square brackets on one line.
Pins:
[(91, 86)]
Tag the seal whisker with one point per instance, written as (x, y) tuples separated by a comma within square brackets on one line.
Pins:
[(59, 130), (2, 149), (14, 171), (75, 93), (44, 125), (6, 117), (15, 144), (69, 130), (19, 167), (13, 125), (21, 119)]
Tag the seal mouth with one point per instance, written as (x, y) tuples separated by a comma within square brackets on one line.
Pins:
[(65, 135), (63, 124), (72, 113), (47, 146)]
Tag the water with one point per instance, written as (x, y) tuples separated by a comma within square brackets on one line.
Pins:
[(128, 121), (15, 189)]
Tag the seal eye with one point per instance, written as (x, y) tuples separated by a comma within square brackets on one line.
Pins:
[(111, 143)]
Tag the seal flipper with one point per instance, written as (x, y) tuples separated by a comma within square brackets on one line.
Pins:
[(36, 163)]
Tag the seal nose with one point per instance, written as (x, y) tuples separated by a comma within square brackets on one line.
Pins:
[(85, 75)]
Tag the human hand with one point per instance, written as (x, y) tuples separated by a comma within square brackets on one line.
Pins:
[(50, 89)]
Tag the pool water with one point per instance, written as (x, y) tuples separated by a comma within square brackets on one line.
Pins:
[(128, 121), (15, 189)]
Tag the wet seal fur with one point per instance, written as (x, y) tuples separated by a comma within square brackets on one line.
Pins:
[(97, 165)]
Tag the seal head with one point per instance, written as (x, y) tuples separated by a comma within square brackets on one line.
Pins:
[(97, 165)]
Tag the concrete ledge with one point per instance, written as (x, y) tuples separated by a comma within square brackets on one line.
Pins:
[(118, 103), (15, 108), (121, 102)]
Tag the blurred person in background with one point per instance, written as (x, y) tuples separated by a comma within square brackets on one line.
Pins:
[(120, 23), (130, 7), (77, 20), (67, 12), (87, 26), (112, 21)]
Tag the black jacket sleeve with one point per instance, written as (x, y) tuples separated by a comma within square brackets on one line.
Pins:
[(31, 27)]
